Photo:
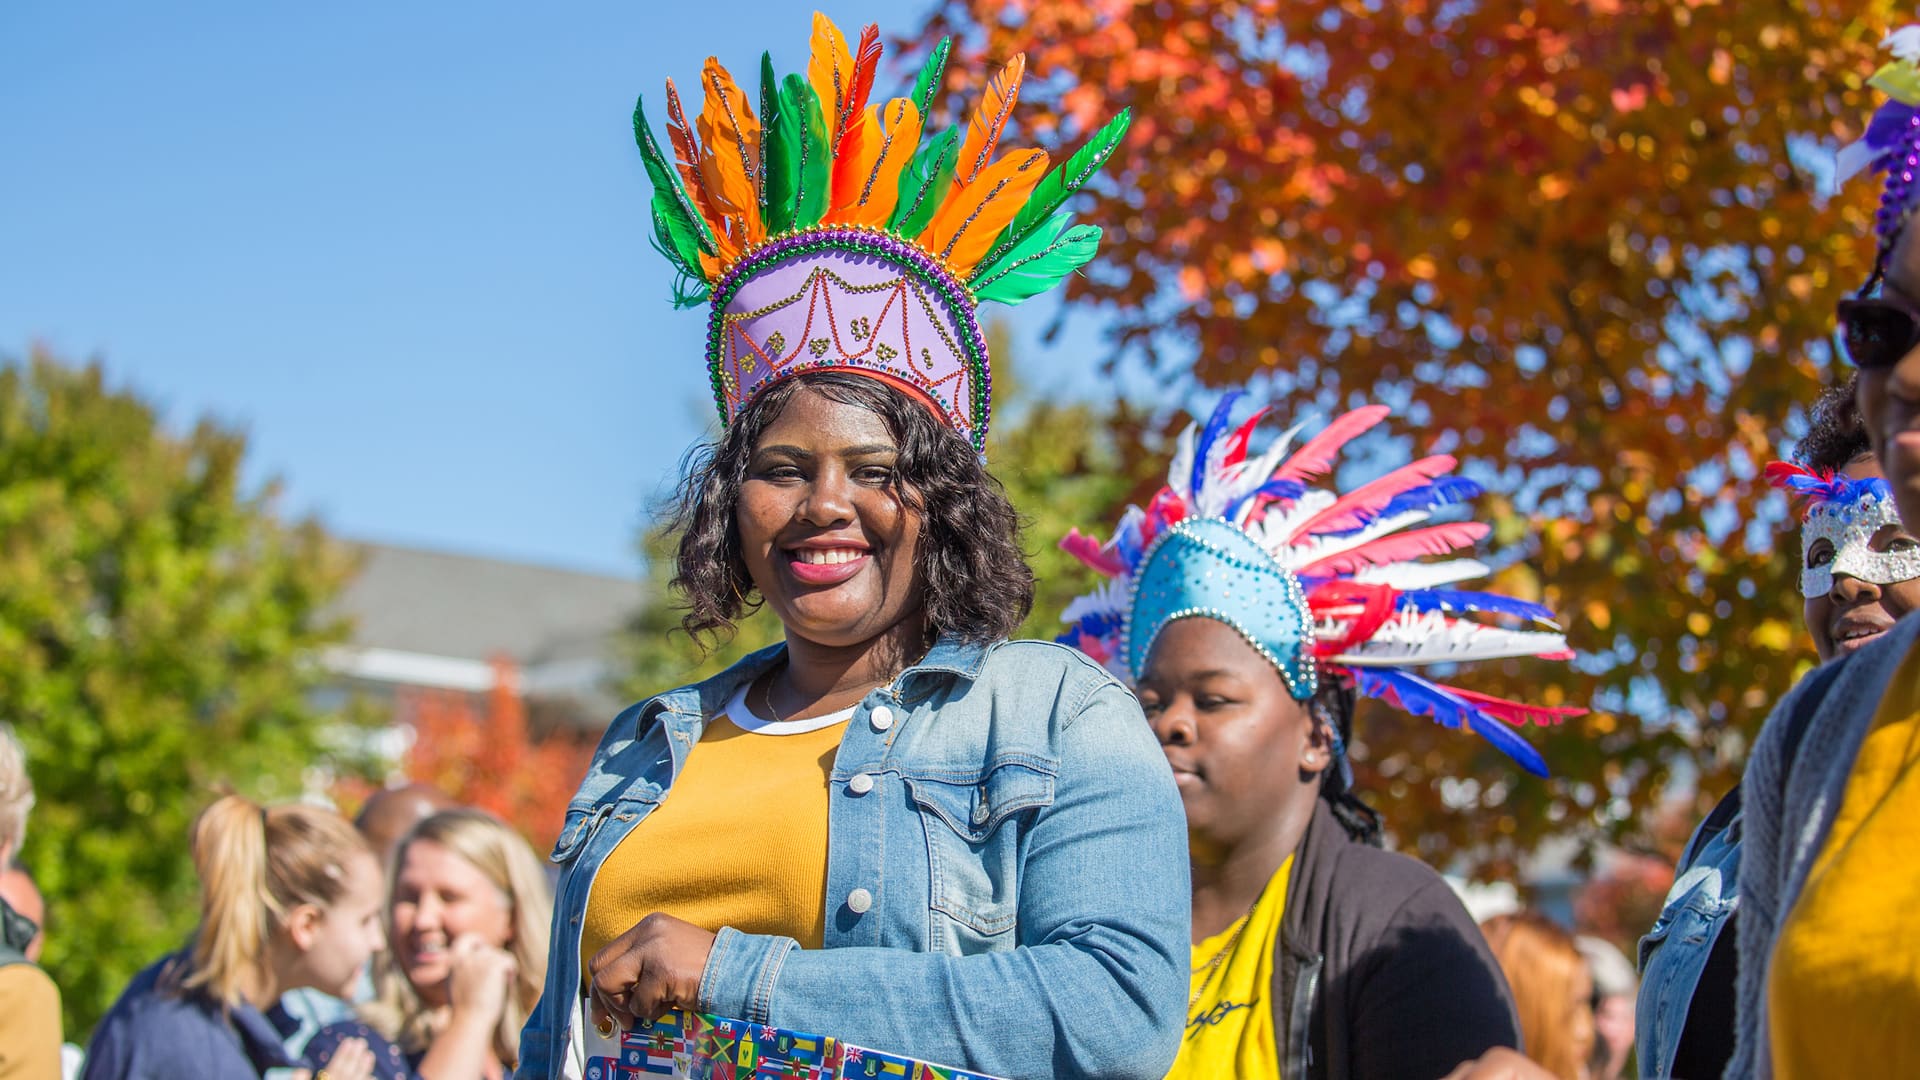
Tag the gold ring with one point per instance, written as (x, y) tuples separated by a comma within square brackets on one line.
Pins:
[(605, 1028), (321, 1075)]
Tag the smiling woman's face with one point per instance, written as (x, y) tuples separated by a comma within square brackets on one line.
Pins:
[(1854, 612), (824, 531)]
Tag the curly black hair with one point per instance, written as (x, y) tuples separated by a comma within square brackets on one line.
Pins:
[(1332, 705), (979, 586), (1836, 435)]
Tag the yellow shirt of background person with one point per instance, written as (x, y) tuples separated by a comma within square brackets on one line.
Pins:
[(1843, 987), (740, 840), (1230, 1015)]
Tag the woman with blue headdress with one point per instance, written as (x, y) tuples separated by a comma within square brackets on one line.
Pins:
[(1250, 604)]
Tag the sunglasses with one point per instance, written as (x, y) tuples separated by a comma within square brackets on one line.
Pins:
[(1877, 332)]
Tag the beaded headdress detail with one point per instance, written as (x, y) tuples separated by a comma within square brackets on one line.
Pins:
[(827, 233), (1321, 584), (1838, 527), (1891, 144)]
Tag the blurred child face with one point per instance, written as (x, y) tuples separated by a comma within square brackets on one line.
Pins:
[(333, 942), (439, 897)]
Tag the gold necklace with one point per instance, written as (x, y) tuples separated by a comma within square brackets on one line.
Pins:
[(1219, 958)]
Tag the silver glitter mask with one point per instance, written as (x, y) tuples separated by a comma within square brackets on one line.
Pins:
[(1850, 528)]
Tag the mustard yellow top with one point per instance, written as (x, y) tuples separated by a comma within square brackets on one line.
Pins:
[(1843, 986), (740, 840), (1230, 1019)]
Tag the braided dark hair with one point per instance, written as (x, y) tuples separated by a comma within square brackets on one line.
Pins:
[(1332, 705)]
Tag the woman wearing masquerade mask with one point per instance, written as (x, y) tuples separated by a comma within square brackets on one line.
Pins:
[(1250, 607), (1860, 573), (1832, 802), (896, 828)]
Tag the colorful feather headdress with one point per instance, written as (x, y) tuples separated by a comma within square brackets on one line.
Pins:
[(828, 233), (1322, 584), (1891, 145)]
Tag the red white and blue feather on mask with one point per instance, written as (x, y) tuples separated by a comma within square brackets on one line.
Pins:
[(1320, 583)]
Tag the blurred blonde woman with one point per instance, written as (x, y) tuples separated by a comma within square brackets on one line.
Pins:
[(1552, 990), (468, 914), (290, 897)]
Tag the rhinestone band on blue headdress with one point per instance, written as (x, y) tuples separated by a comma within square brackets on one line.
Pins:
[(1206, 567), (1323, 585)]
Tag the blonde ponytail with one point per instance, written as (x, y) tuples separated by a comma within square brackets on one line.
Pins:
[(256, 864)]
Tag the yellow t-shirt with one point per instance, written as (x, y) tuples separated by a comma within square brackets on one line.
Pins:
[(1230, 1023), (1843, 985), (740, 840)]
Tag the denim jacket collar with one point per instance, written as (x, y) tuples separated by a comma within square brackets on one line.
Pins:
[(950, 656)]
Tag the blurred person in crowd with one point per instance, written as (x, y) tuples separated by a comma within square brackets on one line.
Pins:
[(1553, 990), (1853, 593), (896, 827), (20, 892), (29, 1002), (467, 953), (387, 816), (1236, 610), (391, 813), (1614, 987), (1831, 795), (290, 896)]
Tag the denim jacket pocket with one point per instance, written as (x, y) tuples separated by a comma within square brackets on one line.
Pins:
[(584, 821), (973, 826)]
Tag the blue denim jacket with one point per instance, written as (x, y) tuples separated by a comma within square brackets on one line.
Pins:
[(1674, 953), (1009, 893)]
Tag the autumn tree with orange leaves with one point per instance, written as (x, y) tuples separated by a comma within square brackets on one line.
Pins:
[(1580, 243), (479, 749)]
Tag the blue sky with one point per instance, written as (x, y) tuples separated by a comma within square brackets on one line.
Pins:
[(402, 245)]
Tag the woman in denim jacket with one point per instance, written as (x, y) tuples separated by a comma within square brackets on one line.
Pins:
[(1684, 1018), (987, 868)]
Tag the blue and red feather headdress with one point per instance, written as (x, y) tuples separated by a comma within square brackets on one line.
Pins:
[(1322, 584)]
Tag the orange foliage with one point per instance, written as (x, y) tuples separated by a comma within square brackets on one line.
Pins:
[(478, 749), (1577, 242)]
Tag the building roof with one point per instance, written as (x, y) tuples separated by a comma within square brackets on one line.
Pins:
[(461, 606)]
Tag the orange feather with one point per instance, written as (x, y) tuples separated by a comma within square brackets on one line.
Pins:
[(989, 120), (963, 231), (866, 61), (730, 131), (891, 133), (830, 71), (686, 157)]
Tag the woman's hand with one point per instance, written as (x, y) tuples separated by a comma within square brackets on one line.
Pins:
[(1500, 1063), (480, 980), (352, 1060), (651, 968)]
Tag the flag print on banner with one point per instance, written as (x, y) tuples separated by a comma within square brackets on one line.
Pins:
[(695, 1046)]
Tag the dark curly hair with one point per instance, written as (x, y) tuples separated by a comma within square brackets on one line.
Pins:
[(979, 586), (1836, 434)]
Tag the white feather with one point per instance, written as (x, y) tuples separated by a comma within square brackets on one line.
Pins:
[(1180, 469), (1251, 474), (1272, 531), (1406, 576), (1904, 43), (1109, 598), (1851, 160), (1432, 638)]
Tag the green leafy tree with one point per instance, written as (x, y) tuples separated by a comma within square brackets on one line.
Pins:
[(159, 629)]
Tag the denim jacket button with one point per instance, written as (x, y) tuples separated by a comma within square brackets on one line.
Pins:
[(881, 718), (861, 783), (859, 901)]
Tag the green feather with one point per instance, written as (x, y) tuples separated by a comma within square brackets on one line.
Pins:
[(799, 162), (1038, 263), (924, 183), (666, 182), (769, 108), (928, 82), (1060, 184), (672, 239)]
